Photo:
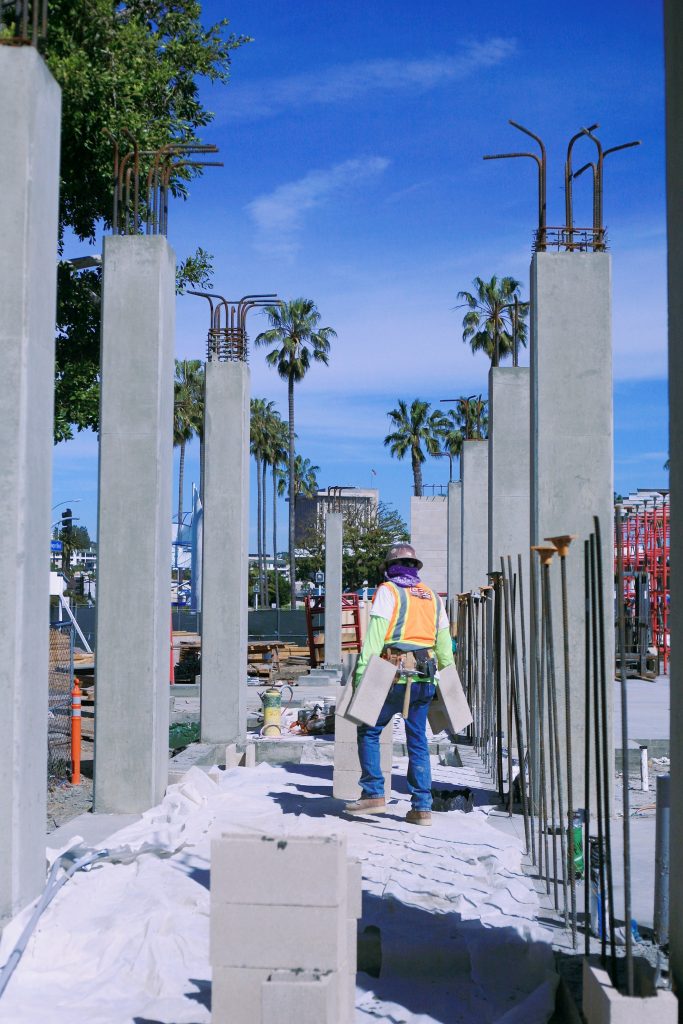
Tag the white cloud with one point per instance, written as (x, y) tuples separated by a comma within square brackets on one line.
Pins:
[(279, 215), (361, 78)]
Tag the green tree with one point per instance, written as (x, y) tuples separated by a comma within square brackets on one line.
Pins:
[(305, 477), (294, 339), (416, 432), (489, 321), (278, 448), (451, 435), (188, 415), (472, 414), (261, 412), (367, 535), (132, 66)]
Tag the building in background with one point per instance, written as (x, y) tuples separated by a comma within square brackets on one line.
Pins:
[(311, 512)]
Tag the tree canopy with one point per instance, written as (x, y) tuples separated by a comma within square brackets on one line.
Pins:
[(416, 431), (124, 67), (488, 326)]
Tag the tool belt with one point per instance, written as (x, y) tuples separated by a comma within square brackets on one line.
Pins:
[(420, 662)]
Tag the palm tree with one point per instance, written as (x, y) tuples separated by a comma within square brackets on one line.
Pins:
[(472, 415), (488, 325), (277, 458), (188, 410), (415, 427), (260, 413), (305, 477), (451, 435), (294, 339)]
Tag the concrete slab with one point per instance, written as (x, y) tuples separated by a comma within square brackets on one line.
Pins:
[(92, 828), (252, 936)]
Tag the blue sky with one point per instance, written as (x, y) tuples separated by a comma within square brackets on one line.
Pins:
[(352, 136)]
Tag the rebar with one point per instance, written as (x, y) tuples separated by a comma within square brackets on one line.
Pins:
[(29, 20), (587, 760), (552, 689), (598, 757), (227, 336), (511, 640), (624, 750), (527, 708)]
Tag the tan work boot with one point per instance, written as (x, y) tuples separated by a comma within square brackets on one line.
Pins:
[(367, 805), (419, 817)]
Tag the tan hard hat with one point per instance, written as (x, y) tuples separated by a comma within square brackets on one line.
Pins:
[(398, 552)]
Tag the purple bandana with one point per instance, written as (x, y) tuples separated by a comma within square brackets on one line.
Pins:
[(402, 575)]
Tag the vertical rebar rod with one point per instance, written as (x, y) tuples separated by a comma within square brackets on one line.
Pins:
[(662, 859), (624, 751), (545, 672), (552, 703), (515, 704), (498, 708), (527, 709), (541, 734), (598, 759), (587, 759), (607, 769)]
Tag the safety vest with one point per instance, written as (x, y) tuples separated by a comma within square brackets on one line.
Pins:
[(415, 621)]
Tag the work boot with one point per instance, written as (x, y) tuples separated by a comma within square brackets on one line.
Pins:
[(419, 817), (367, 805)]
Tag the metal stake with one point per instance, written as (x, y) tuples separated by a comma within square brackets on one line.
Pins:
[(624, 750)]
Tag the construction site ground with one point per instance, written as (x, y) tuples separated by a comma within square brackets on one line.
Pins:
[(299, 796)]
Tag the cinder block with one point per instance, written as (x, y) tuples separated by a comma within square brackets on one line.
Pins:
[(233, 757), (303, 871), (347, 997), (236, 994), (371, 693), (603, 1004), (300, 997), (344, 730), (250, 756), (354, 888), (452, 700), (278, 937), (346, 756), (437, 717), (345, 785), (343, 696), (352, 932)]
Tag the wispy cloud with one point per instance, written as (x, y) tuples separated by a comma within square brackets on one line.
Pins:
[(361, 78), (279, 215)]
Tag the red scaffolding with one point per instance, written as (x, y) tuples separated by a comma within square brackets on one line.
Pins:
[(646, 540)]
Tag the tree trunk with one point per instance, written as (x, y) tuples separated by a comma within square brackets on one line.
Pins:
[(292, 555), (417, 475), (257, 602), (275, 565), (264, 545), (181, 481)]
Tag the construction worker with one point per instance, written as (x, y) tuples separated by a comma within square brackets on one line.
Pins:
[(408, 625)]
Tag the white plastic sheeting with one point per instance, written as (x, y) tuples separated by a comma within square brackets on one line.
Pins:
[(128, 942)]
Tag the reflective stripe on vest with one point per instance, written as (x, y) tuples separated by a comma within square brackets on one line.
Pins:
[(415, 620)]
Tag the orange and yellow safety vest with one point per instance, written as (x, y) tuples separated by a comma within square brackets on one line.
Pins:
[(415, 621)]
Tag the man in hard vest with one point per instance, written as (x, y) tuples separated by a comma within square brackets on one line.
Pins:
[(408, 625)]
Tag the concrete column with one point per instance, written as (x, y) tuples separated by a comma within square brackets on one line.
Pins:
[(29, 172), (674, 118), (474, 516), (334, 526), (225, 552), (134, 524), (428, 528), (454, 542), (572, 450)]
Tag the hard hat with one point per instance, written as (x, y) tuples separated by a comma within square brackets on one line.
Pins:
[(399, 552)]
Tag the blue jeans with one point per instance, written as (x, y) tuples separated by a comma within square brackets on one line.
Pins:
[(419, 768)]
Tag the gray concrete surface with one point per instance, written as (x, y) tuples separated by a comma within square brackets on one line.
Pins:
[(29, 172), (474, 517), (134, 524), (454, 542), (572, 445), (334, 527), (428, 527), (509, 465), (91, 828), (673, 19), (224, 559)]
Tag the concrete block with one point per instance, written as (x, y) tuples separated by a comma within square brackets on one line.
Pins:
[(236, 994), (352, 944), (250, 756), (233, 757), (29, 172), (343, 698), (371, 693), (354, 888), (278, 937), (345, 785), (304, 871), (454, 541), (451, 700), (302, 997), (344, 730), (346, 756), (603, 1004), (428, 532), (474, 515), (437, 717), (135, 470)]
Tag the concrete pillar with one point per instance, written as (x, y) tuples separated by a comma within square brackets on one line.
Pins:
[(428, 528), (674, 118), (225, 552), (134, 523), (572, 450), (509, 465), (334, 526), (474, 516), (454, 543), (29, 172)]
